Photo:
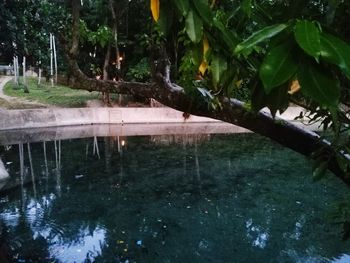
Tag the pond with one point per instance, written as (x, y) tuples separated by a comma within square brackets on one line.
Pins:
[(166, 198)]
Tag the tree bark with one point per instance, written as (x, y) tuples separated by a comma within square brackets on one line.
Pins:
[(231, 111), (105, 95)]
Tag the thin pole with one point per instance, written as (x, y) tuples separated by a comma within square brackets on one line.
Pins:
[(14, 69), (39, 76), (17, 70), (55, 56), (24, 71), (51, 61)]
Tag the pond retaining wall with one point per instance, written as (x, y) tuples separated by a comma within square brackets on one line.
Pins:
[(37, 118)]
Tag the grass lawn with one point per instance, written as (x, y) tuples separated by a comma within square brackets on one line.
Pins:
[(61, 96)]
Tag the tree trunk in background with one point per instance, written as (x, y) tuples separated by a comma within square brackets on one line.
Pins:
[(117, 54), (105, 95)]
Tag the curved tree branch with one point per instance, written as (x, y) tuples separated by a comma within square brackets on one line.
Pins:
[(231, 110)]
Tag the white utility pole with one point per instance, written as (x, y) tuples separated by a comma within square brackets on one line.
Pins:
[(51, 60), (24, 71), (55, 56), (15, 70), (39, 75)]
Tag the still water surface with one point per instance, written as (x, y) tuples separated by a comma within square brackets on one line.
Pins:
[(171, 198)]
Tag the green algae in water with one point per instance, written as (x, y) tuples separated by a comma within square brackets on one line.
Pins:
[(205, 198)]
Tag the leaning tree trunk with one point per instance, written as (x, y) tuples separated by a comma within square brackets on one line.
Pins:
[(231, 110)]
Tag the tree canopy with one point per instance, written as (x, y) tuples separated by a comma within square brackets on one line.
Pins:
[(229, 59)]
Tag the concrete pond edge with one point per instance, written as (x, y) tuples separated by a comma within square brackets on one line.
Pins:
[(52, 117)]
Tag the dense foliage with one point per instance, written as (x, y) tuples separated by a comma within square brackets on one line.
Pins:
[(278, 51)]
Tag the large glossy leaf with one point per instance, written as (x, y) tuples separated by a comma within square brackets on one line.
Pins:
[(165, 20), (260, 36), (277, 100), (183, 6), (155, 9), (203, 9), (278, 66), (307, 35), (336, 51), (318, 85), (218, 66), (194, 26)]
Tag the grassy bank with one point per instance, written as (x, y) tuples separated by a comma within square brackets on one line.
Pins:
[(59, 95)]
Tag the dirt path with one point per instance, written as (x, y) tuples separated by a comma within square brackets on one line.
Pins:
[(3, 81), (13, 101)]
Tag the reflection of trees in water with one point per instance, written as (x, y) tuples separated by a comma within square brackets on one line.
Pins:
[(182, 139), (217, 189)]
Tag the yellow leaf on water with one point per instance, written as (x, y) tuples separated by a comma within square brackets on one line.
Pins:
[(294, 87), (155, 9)]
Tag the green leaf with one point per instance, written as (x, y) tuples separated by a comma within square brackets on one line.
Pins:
[(196, 54), (218, 66), (203, 10), (260, 36), (228, 36), (278, 66), (276, 100), (247, 7), (307, 35), (194, 26), (166, 18), (336, 51), (318, 85), (183, 6)]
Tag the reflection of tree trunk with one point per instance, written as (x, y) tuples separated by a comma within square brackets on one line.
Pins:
[(59, 153), (119, 148), (31, 169), (95, 148), (184, 149), (108, 154), (197, 167), (86, 150), (21, 162), (21, 172), (58, 167), (121, 171), (46, 166)]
